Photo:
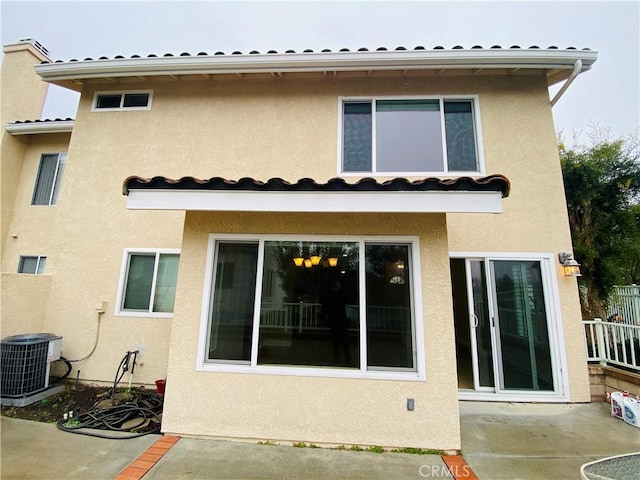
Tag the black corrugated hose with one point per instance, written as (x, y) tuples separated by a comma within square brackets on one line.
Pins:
[(145, 406)]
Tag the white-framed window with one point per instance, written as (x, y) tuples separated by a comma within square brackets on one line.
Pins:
[(147, 282), (49, 178), (119, 100), (409, 136), (317, 306), (33, 264)]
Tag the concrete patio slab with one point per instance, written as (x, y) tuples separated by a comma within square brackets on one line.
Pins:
[(36, 450), (540, 441), (499, 441)]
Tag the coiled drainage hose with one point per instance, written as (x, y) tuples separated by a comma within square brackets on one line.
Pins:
[(145, 406)]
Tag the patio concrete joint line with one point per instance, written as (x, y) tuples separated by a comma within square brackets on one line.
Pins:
[(145, 462)]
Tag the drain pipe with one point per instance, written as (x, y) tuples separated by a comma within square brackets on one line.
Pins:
[(577, 67)]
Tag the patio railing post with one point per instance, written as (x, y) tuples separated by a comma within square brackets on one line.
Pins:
[(600, 341)]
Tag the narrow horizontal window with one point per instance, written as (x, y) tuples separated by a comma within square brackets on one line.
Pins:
[(32, 264), (135, 100), (122, 101), (109, 101)]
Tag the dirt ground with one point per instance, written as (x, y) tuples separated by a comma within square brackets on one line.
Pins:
[(79, 399)]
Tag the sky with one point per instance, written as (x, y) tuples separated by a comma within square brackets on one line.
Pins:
[(607, 96)]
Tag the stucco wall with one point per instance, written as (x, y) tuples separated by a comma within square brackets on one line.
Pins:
[(21, 98), (273, 128), (24, 299), (32, 225), (519, 142), (330, 410)]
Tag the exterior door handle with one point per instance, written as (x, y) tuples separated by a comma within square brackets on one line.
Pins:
[(474, 323)]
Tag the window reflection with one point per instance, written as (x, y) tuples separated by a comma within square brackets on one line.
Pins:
[(309, 313)]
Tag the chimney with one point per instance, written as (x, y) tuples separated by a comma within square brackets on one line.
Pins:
[(23, 91)]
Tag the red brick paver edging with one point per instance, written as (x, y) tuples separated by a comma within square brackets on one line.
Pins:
[(141, 465), (458, 467)]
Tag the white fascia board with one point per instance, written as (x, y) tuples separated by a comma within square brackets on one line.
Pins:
[(33, 128), (331, 202), (317, 62)]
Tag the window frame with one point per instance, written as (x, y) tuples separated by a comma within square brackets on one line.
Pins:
[(477, 126), (122, 93), (380, 373), (550, 281), (55, 184), (40, 260), (119, 310)]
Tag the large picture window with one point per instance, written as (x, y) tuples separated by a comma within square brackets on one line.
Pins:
[(338, 304), (409, 136), (148, 283)]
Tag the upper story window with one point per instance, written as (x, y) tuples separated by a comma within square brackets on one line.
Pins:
[(138, 100), (148, 283), (410, 136), (32, 264), (47, 187)]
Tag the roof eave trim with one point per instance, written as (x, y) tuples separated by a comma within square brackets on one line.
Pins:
[(317, 62), (317, 202), (33, 128)]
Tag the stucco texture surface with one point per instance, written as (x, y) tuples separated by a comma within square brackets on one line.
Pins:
[(301, 408), (283, 128)]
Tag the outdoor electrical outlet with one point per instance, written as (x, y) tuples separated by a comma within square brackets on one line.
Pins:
[(410, 404), (101, 306)]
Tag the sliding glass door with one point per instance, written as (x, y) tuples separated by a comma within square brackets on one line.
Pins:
[(521, 326), (502, 325)]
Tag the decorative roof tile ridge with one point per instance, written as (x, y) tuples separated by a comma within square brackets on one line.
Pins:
[(309, 184), (43, 120), (325, 50)]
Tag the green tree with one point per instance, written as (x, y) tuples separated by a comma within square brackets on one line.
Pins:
[(602, 188)]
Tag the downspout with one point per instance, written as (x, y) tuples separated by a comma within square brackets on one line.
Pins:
[(577, 67)]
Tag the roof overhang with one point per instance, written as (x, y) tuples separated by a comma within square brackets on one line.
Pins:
[(556, 64), (37, 127), (461, 195)]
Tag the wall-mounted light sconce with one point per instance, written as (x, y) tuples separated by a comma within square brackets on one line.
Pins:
[(333, 261), (298, 261), (571, 267)]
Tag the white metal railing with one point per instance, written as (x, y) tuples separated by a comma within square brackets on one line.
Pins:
[(307, 317), (613, 343), (623, 304)]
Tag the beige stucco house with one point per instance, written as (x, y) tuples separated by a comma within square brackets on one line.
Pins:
[(332, 247)]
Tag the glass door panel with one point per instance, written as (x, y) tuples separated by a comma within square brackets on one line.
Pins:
[(481, 323), (522, 334)]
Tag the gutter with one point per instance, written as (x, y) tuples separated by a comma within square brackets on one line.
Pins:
[(315, 62), (577, 70), (37, 127)]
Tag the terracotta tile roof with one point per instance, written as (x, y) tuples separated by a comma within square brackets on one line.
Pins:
[(44, 120), (492, 183), (326, 50)]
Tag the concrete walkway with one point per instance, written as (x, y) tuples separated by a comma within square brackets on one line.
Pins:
[(499, 441), (34, 450)]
